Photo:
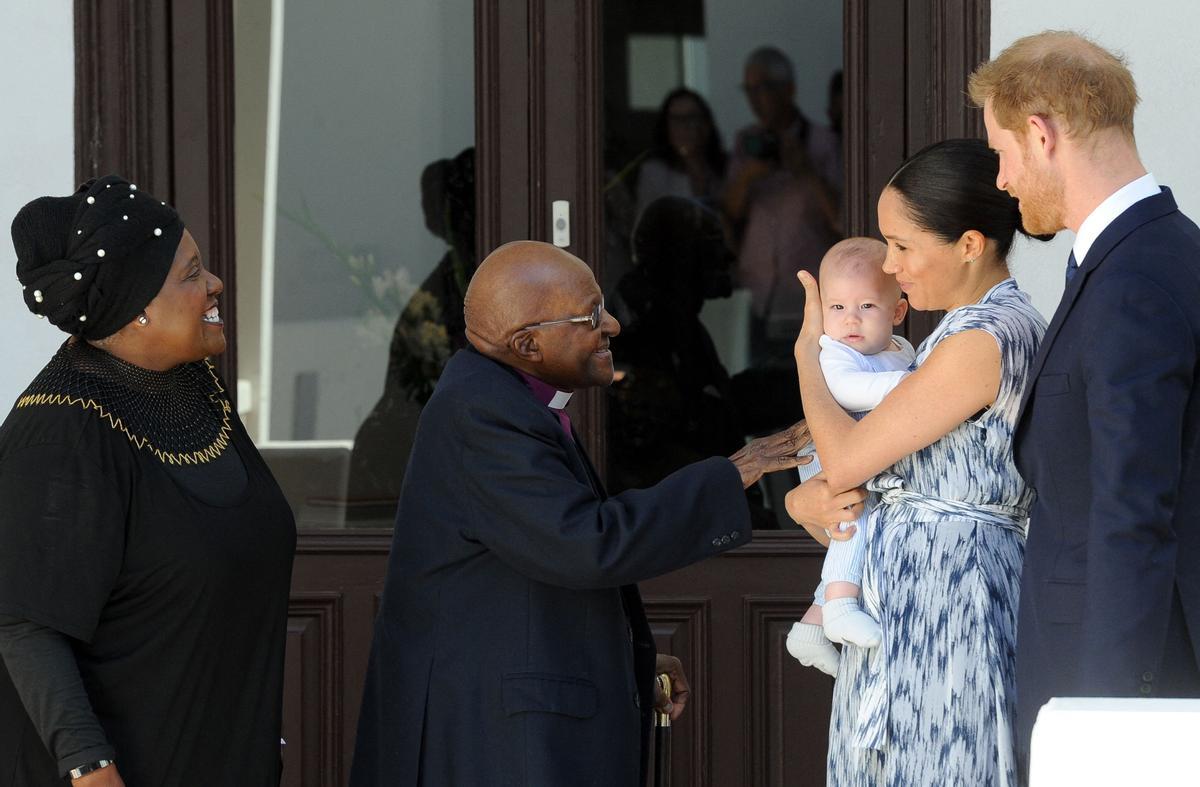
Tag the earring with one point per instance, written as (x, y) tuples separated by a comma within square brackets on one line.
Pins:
[(971, 260), (143, 319)]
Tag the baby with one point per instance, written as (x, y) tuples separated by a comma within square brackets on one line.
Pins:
[(862, 362)]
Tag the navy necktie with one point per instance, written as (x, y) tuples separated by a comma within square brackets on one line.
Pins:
[(1072, 268)]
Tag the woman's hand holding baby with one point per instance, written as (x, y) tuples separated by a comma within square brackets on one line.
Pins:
[(808, 342), (814, 506)]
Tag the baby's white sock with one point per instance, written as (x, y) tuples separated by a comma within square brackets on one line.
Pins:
[(808, 645), (846, 623)]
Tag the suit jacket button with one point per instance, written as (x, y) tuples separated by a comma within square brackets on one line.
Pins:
[(734, 535), (716, 542), (1145, 688), (1148, 676)]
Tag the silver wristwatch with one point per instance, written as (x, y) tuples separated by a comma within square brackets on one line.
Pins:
[(92, 767)]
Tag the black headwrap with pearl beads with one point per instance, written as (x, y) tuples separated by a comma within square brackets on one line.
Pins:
[(90, 262)]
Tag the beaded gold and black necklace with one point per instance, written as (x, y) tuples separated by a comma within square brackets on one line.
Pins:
[(181, 416)]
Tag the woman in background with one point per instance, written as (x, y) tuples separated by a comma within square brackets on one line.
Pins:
[(686, 158)]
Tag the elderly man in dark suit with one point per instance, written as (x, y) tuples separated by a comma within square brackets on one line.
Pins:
[(1109, 430), (511, 647)]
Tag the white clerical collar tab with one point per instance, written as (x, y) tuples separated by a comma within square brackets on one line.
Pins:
[(559, 402)]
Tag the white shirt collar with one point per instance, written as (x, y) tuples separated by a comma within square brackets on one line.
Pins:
[(560, 400), (1108, 211)]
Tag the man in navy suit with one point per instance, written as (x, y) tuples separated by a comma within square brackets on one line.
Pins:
[(511, 647), (1109, 430)]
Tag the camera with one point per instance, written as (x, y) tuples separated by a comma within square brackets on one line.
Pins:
[(761, 145)]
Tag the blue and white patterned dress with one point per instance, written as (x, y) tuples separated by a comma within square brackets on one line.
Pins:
[(933, 704)]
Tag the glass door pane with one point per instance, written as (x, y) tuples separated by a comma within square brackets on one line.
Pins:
[(356, 202), (724, 165)]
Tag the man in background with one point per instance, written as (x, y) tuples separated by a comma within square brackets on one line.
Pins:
[(783, 198)]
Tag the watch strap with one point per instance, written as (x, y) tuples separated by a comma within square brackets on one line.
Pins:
[(91, 767)]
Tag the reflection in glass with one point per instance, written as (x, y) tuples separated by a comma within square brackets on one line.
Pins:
[(429, 330), (702, 244), (355, 187)]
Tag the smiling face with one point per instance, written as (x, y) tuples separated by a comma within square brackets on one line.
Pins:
[(183, 322), (1039, 190), (930, 271), (861, 307), (575, 355)]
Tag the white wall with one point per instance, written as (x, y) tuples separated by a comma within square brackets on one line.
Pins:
[(1160, 47), (37, 157)]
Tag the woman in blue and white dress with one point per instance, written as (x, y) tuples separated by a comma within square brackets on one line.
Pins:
[(933, 704)]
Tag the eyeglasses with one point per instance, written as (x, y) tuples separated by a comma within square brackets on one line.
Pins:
[(765, 86), (592, 319)]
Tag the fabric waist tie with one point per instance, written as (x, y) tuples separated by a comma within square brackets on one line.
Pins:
[(872, 724), (891, 491)]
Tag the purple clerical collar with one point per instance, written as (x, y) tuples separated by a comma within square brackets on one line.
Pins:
[(546, 393)]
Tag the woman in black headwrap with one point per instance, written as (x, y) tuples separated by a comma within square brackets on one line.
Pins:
[(145, 550)]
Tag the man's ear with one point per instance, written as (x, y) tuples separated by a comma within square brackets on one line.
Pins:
[(1042, 133), (524, 345), (901, 311)]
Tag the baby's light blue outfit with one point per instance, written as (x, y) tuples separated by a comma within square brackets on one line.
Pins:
[(858, 383)]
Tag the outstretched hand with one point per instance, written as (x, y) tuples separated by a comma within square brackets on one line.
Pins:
[(813, 327), (774, 452)]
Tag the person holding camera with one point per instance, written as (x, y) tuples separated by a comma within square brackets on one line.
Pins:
[(782, 196)]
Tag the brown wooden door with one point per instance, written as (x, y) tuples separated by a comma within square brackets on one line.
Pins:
[(756, 717)]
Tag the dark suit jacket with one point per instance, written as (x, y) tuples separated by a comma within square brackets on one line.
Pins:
[(1108, 435), (511, 647)]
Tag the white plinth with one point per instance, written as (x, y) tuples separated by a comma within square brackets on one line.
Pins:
[(1095, 742)]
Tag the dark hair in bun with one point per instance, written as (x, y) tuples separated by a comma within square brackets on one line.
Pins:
[(950, 187)]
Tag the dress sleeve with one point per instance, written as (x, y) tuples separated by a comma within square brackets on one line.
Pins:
[(62, 537), (44, 672)]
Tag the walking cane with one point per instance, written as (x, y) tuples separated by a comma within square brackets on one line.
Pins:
[(662, 739)]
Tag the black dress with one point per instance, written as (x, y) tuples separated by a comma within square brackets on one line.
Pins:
[(176, 606)]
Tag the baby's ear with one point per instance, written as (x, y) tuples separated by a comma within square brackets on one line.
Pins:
[(901, 310)]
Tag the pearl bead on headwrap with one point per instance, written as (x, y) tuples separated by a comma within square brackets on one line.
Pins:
[(91, 262)]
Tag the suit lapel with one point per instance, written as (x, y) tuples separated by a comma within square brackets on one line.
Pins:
[(581, 466), (1138, 214), (586, 461)]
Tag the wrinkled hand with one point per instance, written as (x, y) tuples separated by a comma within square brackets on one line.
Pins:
[(810, 332), (772, 453), (814, 506), (680, 690)]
